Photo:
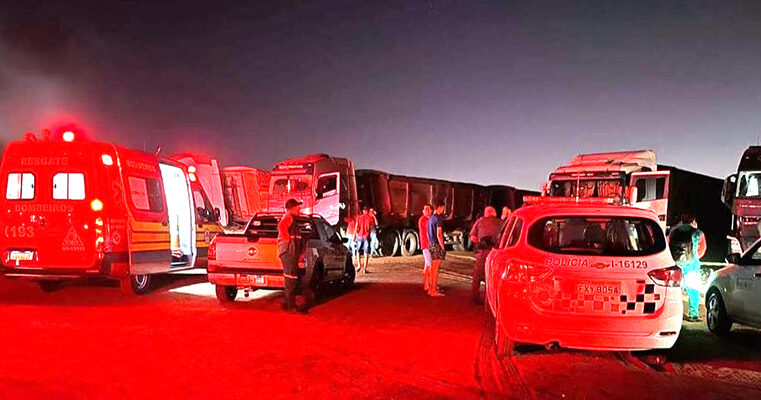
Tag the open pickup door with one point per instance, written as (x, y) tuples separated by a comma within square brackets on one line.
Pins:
[(652, 192)]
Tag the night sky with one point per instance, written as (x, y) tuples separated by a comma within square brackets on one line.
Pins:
[(487, 92)]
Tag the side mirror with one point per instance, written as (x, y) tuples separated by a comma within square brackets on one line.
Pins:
[(733, 258), (728, 190), (217, 213), (202, 212), (633, 192)]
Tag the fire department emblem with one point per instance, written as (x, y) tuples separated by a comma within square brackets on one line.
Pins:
[(72, 242)]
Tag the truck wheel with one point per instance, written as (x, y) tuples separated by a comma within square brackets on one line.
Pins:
[(462, 243), (349, 274), (389, 243), (717, 319), (409, 244), (136, 284), (226, 294), (49, 286)]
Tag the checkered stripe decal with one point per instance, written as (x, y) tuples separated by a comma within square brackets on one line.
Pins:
[(643, 302)]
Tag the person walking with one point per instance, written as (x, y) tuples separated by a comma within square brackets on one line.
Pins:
[(688, 246), (351, 231), (484, 235), (436, 247), (365, 226), (289, 248), (422, 226)]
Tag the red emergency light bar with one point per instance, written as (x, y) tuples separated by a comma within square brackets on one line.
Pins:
[(600, 201)]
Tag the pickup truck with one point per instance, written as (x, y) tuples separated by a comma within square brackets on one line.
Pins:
[(248, 260), (734, 295)]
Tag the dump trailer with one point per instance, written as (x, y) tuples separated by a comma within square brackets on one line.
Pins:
[(742, 196), (635, 178), (399, 200)]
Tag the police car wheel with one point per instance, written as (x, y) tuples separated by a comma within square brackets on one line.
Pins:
[(49, 286), (717, 320), (226, 294), (504, 346), (349, 274)]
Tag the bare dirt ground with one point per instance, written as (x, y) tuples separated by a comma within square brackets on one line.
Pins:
[(383, 339)]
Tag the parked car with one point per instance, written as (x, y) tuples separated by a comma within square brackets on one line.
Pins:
[(585, 275), (249, 260), (734, 295)]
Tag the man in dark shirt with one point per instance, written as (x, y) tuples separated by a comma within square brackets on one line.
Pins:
[(289, 249), (484, 236), (436, 246)]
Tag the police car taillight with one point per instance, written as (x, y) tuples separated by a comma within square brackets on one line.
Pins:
[(212, 255), (525, 272), (671, 276)]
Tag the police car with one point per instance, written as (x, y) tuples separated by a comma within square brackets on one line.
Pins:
[(586, 275), (734, 295)]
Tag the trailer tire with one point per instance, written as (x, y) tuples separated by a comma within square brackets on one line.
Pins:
[(136, 284), (389, 243), (409, 244), (226, 294)]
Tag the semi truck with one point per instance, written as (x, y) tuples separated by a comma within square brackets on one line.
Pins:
[(237, 193), (741, 194), (635, 178), (331, 187)]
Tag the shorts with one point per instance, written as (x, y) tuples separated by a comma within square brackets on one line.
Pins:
[(362, 244), (427, 257), (437, 253)]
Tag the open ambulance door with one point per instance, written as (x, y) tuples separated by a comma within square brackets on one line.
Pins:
[(327, 197), (652, 193), (181, 213)]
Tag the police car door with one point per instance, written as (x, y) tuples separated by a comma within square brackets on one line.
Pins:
[(652, 193), (327, 197)]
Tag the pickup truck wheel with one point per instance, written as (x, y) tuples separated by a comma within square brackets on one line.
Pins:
[(717, 319), (389, 243), (136, 284), (226, 294), (314, 290), (349, 274), (49, 286), (409, 244)]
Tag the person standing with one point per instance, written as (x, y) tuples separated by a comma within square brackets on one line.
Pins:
[(688, 246), (374, 243), (351, 231), (289, 248), (365, 226), (505, 214), (422, 226), (484, 235), (436, 247)]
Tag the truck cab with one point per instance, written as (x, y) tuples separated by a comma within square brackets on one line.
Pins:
[(630, 177), (325, 184), (742, 195)]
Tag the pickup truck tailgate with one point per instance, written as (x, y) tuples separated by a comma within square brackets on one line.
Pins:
[(238, 252)]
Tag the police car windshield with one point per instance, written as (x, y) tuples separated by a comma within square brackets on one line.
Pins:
[(598, 236)]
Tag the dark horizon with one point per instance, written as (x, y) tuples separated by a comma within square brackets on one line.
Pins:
[(482, 92)]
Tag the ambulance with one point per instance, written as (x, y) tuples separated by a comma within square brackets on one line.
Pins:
[(583, 274), (77, 208)]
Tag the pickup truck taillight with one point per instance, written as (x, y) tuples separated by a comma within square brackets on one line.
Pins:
[(212, 251), (670, 277)]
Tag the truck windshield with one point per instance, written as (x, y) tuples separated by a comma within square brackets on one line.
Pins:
[(291, 185), (749, 184), (587, 188), (598, 236)]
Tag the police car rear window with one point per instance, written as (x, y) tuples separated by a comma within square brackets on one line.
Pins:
[(595, 235)]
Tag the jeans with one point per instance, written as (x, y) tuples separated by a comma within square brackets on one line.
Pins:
[(691, 282)]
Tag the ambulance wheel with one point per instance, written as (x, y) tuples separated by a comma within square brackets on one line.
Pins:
[(136, 284), (49, 286), (717, 319), (349, 274), (226, 294), (409, 244)]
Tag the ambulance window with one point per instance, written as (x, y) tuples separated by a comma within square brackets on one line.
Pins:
[(145, 194), (69, 186), (20, 186)]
